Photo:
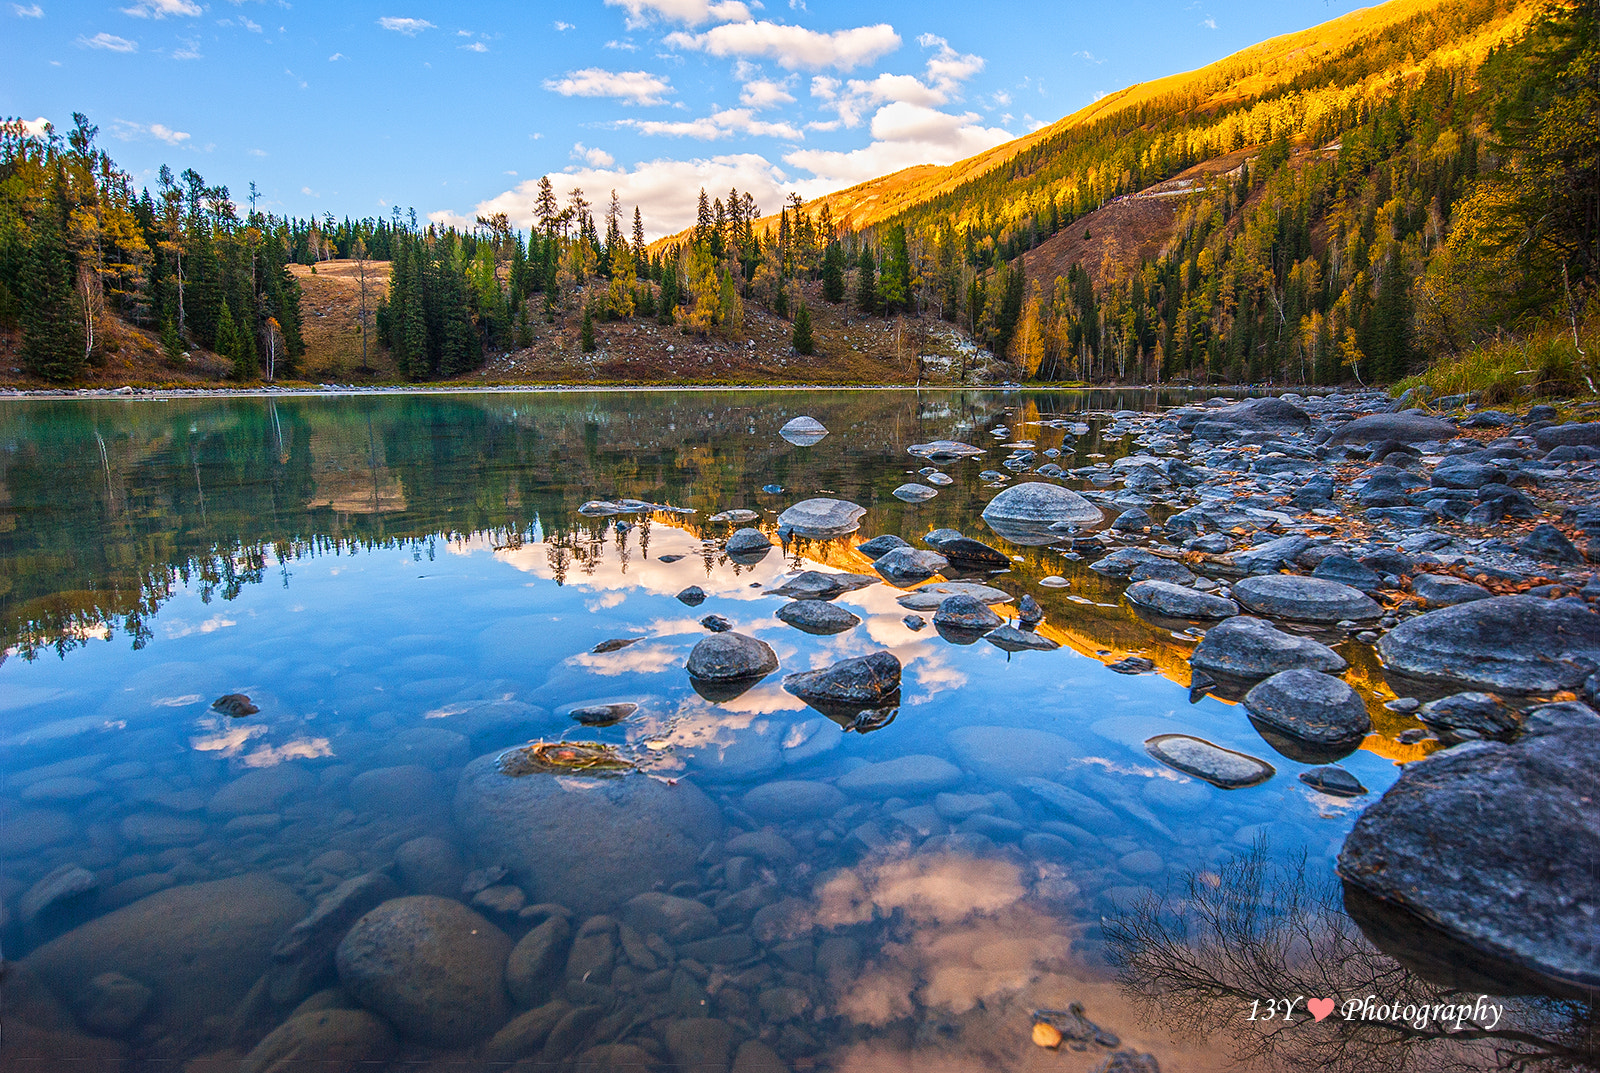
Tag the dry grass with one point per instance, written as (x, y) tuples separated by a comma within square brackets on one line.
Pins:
[(1543, 364), (330, 303)]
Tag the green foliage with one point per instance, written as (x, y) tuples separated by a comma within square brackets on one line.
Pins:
[(52, 338), (802, 338), (586, 333), (833, 273), (866, 282), (171, 344)]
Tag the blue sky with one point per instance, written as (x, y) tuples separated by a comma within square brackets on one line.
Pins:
[(456, 109)]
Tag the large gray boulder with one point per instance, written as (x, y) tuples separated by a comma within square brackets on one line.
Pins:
[(803, 431), (1179, 601), (747, 542), (907, 566), (868, 680), (430, 965), (817, 617), (1578, 434), (535, 825), (1036, 503), (730, 655), (1495, 846), (1252, 415), (1247, 647), (1305, 599), (1411, 426), (1311, 707), (821, 519), (1507, 644)]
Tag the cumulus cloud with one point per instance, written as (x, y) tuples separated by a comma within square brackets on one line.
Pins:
[(722, 123), (765, 93), (688, 12), (598, 158), (562, 27), (640, 87), (904, 135), (666, 191), (476, 46), (946, 70), (36, 127), (409, 27), (160, 9), (793, 47), (109, 42)]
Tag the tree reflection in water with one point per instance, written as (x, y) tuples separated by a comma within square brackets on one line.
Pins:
[(1257, 931)]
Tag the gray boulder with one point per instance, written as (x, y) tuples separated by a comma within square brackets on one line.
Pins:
[(1304, 599), (746, 542), (331, 1041), (969, 552), (1179, 601), (430, 965), (817, 617), (1494, 846), (1252, 415), (1011, 639), (1347, 571), (942, 451), (1220, 767), (730, 655), (1442, 590), (965, 613), (1549, 544), (816, 585), (654, 832), (534, 965), (869, 680), (880, 546), (821, 519), (1037, 504), (905, 566), (1507, 644), (1123, 561), (928, 597), (803, 431), (1578, 434), (1247, 647), (1311, 707), (914, 493), (1467, 716), (1409, 427)]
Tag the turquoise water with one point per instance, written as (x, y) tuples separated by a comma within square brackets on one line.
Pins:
[(401, 584)]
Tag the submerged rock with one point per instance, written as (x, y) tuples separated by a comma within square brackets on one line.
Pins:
[(430, 965), (1247, 647), (603, 715), (908, 565), (1493, 846), (1218, 766), (914, 493), (821, 518), (1305, 599), (1310, 706), (1012, 639), (815, 585), (1509, 644), (1036, 503), (533, 824), (968, 552), (1465, 716), (965, 613)]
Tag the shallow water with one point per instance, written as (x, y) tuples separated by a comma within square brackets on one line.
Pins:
[(402, 583)]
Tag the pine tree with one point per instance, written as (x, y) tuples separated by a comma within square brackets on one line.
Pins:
[(833, 273), (171, 344), (237, 348), (638, 238), (780, 301), (586, 332), (52, 331), (802, 339), (866, 283)]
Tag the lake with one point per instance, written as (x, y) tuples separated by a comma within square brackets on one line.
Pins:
[(261, 651)]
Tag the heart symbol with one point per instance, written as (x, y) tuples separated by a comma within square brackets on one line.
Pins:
[(1320, 1007)]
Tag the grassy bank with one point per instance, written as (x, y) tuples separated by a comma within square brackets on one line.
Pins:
[(1545, 363)]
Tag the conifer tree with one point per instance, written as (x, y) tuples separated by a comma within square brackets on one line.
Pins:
[(833, 273), (866, 282), (586, 332), (802, 339), (52, 334)]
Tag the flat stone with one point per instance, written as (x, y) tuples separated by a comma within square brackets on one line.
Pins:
[(1334, 780), (738, 516), (1005, 754), (1042, 504), (1011, 639), (965, 613), (1470, 715), (1442, 590), (969, 552), (1508, 644), (944, 450), (430, 965), (904, 566), (56, 891), (879, 546), (524, 1035), (821, 518), (1247, 647), (1220, 767), (1310, 706), (161, 829), (929, 597), (793, 799), (914, 493), (816, 585), (1251, 416), (1403, 427), (430, 865), (803, 431), (533, 968), (1577, 434), (1305, 599), (603, 715), (1548, 544), (904, 776), (306, 952), (1517, 884), (1179, 601)]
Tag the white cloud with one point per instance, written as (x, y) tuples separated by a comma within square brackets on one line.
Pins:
[(1085, 54), (476, 46), (32, 11), (597, 158), (904, 135), (253, 27), (189, 50), (337, 56), (688, 12), (108, 42), (127, 131), (948, 68), (446, 218), (793, 47), (765, 93), (666, 191), (409, 27), (35, 127), (562, 27), (1209, 23), (160, 9), (640, 87), (622, 46), (723, 123), (258, 152)]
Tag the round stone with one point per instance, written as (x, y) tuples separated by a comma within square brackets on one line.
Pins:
[(1179, 601), (729, 656), (1305, 599), (1311, 706), (821, 518)]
